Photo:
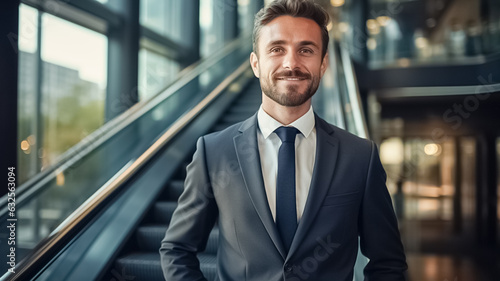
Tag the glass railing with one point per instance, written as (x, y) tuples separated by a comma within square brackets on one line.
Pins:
[(44, 204), (338, 100)]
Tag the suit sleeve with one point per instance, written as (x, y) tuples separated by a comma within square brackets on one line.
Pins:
[(379, 234), (191, 223)]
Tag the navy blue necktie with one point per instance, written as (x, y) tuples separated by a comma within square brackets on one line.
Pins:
[(286, 213)]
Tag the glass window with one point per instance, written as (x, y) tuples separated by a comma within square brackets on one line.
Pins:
[(27, 93), (208, 36), (162, 16), (62, 87), (155, 73), (74, 84), (219, 23), (245, 16)]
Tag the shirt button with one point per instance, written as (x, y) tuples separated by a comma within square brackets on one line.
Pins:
[(288, 267)]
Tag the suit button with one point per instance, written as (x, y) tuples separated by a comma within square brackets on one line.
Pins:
[(288, 267)]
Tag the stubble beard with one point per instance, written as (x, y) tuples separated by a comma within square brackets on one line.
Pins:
[(291, 97)]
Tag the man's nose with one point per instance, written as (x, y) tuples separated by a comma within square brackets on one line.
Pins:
[(290, 61)]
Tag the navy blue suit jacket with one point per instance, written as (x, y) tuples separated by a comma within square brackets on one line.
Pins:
[(348, 199)]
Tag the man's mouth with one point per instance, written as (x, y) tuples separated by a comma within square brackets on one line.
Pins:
[(291, 78)]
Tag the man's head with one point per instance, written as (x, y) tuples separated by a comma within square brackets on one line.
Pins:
[(289, 57), (294, 8)]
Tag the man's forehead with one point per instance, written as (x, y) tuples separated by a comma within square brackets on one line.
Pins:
[(288, 29)]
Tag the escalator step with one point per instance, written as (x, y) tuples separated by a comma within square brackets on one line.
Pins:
[(181, 173), (163, 211), (146, 267), (175, 189), (149, 238)]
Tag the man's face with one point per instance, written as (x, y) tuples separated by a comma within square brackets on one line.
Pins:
[(290, 63)]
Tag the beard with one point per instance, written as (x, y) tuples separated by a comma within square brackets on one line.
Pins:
[(291, 96)]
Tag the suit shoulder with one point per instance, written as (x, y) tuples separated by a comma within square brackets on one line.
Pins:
[(348, 138), (222, 136)]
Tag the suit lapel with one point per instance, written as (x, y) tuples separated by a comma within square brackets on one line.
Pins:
[(247, 151), (326, 157)]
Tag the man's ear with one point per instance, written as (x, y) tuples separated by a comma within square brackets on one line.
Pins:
[(254, 62), (324, 64)]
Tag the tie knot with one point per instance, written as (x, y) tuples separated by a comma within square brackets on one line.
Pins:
[(287, 134)]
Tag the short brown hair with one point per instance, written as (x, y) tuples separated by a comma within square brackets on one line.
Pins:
[(295, 8)]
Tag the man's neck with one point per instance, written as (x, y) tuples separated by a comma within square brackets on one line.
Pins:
[(284, 114)]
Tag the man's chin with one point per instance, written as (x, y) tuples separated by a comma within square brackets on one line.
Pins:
[(292, 89), (291, 99)]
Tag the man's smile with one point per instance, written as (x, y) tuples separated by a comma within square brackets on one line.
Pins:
[(291, 78)]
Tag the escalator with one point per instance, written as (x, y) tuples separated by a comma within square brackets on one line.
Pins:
[(140, 257), (114, 232)]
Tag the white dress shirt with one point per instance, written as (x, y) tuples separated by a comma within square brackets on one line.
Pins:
[(305, 154)]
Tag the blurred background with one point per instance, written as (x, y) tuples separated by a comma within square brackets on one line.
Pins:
[(103, 100)]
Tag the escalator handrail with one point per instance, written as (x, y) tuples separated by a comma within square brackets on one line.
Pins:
[(354, 94), (69, 227), (34, 185)]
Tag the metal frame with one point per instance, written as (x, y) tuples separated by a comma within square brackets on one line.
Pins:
[(123, 60), (408, 92), (90, 14), (173, 50)]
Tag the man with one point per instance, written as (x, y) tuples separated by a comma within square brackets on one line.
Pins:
[(290, 193)]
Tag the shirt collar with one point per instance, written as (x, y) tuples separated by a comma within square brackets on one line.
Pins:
[(267, 124)]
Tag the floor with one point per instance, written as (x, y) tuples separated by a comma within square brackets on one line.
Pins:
[(431, 267), (436, 253)]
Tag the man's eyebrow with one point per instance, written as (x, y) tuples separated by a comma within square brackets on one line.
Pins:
[(284, 42), (308, 43), (277, 42)]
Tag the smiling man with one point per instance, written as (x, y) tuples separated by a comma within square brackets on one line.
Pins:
[(291, 194)]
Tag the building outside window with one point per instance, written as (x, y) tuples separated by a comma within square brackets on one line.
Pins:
[(62, 87)]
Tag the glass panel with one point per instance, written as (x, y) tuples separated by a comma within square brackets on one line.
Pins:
[(28, 162), (216, 19), (155, 73), (162, 16), (74, 84), (245, 16), (208, 36)]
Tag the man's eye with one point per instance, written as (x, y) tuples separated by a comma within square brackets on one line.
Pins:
[(306, 51), (276, 50)]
